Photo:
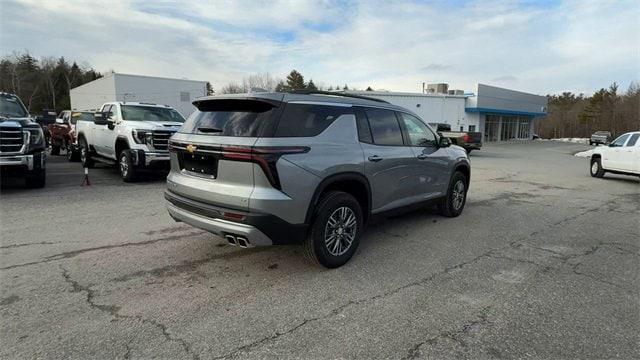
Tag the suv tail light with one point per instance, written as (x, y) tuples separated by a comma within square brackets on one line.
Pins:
[(265, 156), (466, 137)]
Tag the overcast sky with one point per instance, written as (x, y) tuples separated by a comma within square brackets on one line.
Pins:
[(535, 46)]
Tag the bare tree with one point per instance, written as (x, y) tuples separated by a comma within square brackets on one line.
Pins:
[(262, 81), (48, 66), (232, 88)]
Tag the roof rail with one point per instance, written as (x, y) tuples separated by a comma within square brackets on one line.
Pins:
[(320, 92)]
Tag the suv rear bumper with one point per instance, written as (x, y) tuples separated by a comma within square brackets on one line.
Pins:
[(258, 229)]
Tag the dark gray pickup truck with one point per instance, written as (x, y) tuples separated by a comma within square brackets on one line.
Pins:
[(22, 143)]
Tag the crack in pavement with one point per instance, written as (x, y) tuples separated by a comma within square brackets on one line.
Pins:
[(26, 244), (113, 310), (74, 253), (186, 266), (420, 282), (456, 336)]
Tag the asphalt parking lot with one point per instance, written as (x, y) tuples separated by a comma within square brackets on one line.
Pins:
[(543, 263)]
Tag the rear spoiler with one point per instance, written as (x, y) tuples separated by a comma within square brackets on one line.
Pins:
[(273, 99)]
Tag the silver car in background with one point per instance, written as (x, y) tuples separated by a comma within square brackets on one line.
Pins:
[(307, 167)]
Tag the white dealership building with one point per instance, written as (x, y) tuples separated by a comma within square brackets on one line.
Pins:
[(500, 114), (177, 93)]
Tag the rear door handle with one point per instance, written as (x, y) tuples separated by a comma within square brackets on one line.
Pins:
[(422, 156), (375, 158)]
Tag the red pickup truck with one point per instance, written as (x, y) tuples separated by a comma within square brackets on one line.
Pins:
[(63, 132), (465, 139)]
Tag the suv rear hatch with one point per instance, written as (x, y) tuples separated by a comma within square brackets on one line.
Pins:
[(213, 158)]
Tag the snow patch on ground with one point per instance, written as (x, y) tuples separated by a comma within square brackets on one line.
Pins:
[(574, 140), (586, 154)]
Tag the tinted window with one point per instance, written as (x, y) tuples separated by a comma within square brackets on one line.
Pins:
[(305, 120), (149, 113), (620, 140), (419, 133), (364, 132), (10, 106), (243, 118), (384, 127), (632, 141)]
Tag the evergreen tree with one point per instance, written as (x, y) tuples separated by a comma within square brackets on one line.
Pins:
[(369, 88), (41, 84), (295, 80), (311, 85)]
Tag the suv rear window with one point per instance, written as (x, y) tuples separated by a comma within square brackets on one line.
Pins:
[(304, 120), (242, 118)]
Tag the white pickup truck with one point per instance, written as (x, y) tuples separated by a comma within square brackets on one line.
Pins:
[(622, 156), (134, 135)]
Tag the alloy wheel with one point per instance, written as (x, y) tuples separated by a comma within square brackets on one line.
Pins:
[(340, 231), (124, 165), (458, 195)]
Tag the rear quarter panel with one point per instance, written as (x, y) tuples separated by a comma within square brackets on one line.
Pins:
[(335, 150)]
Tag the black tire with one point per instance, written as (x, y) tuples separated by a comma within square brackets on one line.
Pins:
[(316, 246), (73, 155), (590, 143), (85, 154), (36, 179), (127, 170), (596, 169), (55, 149), (453, 204)]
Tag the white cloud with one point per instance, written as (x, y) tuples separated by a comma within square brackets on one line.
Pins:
[(577, 46)]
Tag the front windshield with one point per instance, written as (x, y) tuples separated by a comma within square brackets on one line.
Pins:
[(10, 106), (81, 115), (150, 113)]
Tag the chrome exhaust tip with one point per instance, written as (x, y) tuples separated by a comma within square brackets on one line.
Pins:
[(231, 240), (242, 242)]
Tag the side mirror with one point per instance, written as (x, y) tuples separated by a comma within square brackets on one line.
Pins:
[(444, 142), (100, 118)]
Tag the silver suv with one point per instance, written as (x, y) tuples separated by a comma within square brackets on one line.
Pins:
[(307, 167)]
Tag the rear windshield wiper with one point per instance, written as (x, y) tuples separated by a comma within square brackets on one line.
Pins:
[(206, 129)]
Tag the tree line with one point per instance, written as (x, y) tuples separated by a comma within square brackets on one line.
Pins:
[(571, 115), (43, 83)]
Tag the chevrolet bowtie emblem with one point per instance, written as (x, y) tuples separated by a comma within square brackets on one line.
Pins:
[(191, 148)]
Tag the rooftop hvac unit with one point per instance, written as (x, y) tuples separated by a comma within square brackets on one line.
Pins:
[(451, 92), (439, 88), (459, 92)]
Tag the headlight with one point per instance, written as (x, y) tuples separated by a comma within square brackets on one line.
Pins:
[(141, 136), (34, 137)]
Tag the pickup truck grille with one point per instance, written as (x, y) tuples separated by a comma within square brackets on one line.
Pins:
[(161, 139), (11, 139)]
